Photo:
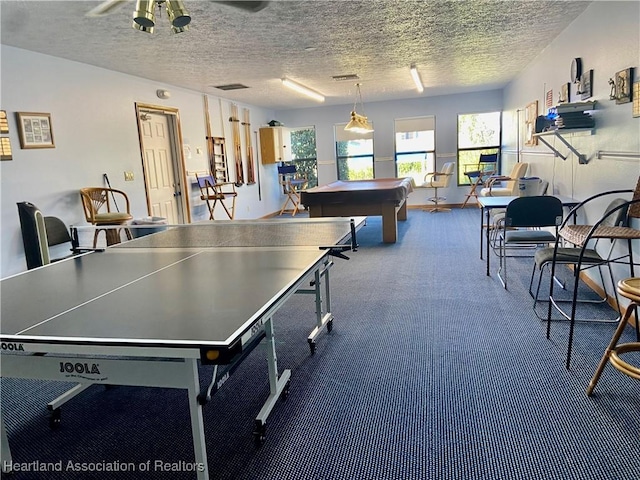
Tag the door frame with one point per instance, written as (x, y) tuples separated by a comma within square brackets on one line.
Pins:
[(177, 154)]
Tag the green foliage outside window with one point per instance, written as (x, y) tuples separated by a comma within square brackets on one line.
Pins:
[(304, 154), (477, 133)]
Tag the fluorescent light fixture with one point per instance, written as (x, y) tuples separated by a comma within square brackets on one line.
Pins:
[(302, 89), (416, 78)]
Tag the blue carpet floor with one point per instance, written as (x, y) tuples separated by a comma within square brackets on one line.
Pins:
[(432, 371)]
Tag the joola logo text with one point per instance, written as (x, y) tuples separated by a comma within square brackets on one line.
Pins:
[(12, 347), (68, 367)]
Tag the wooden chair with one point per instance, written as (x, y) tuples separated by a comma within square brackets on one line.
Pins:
[(102, 210), (212, 192), (292, 185), (507, 186), (630, 289), (480, 173), (438, 180)]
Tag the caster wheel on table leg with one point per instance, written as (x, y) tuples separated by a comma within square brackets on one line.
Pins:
[(55, 418), (260, 433)]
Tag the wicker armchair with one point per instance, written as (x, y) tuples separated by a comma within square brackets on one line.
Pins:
[(102, 210)]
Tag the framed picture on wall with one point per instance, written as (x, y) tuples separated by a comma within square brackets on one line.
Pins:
[(565, 91), (623, 84), (586, 85), (636, 99), (4, 123), (35, 130), (530, 116)]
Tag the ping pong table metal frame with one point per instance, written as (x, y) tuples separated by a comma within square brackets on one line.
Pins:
[(89, 363)]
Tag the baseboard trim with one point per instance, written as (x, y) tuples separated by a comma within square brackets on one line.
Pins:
[(432, 205)]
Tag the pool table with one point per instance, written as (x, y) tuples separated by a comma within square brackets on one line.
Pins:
[(386, 197)]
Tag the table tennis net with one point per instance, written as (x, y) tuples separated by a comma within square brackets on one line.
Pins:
[(264, 233)]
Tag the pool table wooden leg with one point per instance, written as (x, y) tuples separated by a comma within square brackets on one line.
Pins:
[(389, 223), (402, 211)]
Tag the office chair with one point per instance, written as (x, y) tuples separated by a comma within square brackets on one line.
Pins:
[(40, 234), (480, 173), (292, 185), (438, 180), (212, 192), (101, 209), (499, 185)]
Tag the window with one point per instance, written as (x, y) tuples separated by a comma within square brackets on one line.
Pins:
[(415, 147), (354, 154), (303, 153), (477, 133)]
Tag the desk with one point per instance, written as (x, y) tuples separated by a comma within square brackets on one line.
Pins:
[(489, 203), (386, 197), (145, 312)]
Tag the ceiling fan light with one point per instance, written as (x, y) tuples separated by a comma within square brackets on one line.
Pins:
[(144, 15), (140, 28), (179, 29), (178, 15)]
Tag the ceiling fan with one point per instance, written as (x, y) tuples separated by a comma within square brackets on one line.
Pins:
[(144, 13)]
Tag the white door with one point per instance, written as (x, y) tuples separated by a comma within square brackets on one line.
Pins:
[(159, 163)]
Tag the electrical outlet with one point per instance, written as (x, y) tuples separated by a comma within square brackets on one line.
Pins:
[(128, 176)]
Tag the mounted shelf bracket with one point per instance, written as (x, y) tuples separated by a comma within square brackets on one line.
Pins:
[(582, 158)]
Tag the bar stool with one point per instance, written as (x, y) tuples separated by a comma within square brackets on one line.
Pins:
[(629, 288)]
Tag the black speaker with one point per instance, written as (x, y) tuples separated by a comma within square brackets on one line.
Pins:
[(34, 235)]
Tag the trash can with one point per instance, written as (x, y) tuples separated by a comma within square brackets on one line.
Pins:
[(159, 224), (529, 186)]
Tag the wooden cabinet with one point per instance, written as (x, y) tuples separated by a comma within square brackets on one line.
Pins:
[(275, 145)]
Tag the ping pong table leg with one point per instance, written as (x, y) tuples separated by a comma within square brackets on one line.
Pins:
[(278, 385), (5, 452), (197, 423), (323, 317)]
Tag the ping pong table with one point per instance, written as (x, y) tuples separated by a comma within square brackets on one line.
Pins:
[(148, 311)]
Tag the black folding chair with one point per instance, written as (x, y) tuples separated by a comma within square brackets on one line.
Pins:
[(523, 226)]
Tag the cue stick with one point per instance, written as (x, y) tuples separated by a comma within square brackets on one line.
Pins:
[(106, 179), (251, 178)]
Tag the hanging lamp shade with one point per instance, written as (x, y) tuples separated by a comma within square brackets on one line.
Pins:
[(358, 123)]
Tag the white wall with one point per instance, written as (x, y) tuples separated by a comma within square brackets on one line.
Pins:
[(607, 39), (382, 115), (95, 131)]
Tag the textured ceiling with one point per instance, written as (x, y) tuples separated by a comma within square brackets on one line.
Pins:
[(458, 46)]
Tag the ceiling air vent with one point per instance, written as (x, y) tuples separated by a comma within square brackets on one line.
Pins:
[(231, 86), (350, 76)]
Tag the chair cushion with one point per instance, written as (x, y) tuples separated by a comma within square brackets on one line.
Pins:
[(529, 236), (496, 192), (112, 217), (566, 255)]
